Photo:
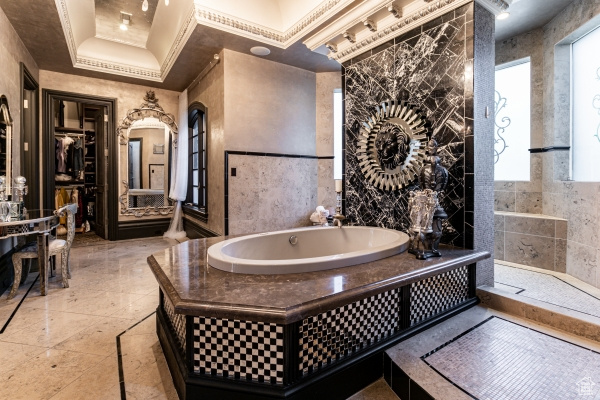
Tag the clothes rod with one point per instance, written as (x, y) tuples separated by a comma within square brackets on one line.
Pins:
[(69, 134), (205, 71)]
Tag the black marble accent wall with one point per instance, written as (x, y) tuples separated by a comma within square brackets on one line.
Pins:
[(427, 68)]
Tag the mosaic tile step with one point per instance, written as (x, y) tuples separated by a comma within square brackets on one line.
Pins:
[(485, 354), (554, 289)]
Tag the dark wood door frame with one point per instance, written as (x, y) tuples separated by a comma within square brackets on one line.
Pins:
[(30, 164), (48, 96)]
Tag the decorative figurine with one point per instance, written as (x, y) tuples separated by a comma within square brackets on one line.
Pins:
[(426, 212)]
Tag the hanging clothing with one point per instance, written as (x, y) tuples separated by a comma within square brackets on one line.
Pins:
[(77, 159), (62, 148), (64, 199)]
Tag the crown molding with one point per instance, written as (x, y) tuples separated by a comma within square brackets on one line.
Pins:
[(186, 30), (111, 67), (355, 16), (282, 39), (390, 27)]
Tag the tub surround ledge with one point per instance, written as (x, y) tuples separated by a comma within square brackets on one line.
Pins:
[(195, 288)]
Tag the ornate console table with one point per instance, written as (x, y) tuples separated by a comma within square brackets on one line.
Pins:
[(310, 335), (39, 222)]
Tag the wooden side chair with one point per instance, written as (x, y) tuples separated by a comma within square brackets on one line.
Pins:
[(56, 246)]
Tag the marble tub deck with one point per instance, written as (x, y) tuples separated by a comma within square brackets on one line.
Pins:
[(195, 288)]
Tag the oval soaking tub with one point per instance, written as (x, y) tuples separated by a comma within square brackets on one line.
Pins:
[(305, 249)]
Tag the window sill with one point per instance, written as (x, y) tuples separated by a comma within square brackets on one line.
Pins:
[(195, 212)]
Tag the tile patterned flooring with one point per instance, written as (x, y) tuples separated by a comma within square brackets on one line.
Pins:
[(499, 359), (549, 288)]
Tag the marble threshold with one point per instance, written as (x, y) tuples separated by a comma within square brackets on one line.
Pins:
[(195, 288)]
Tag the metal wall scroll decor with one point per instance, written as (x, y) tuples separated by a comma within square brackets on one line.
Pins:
[(501, 125), (149, 109), (389, 150)]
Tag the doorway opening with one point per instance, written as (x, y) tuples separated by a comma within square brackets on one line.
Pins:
[(80, 159)]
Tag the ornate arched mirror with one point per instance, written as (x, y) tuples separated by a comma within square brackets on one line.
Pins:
[(148, 136), (5, 148)]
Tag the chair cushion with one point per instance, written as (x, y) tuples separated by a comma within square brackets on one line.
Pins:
[(56, 244)]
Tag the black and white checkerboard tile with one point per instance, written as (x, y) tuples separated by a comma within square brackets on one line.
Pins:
[(235, 349), (437, 294), (177, 323), (329, 336)]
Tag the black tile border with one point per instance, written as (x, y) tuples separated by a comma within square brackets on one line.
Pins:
[(255, 154), (423, 357), (516, 287), (18, 305), (120, 355)]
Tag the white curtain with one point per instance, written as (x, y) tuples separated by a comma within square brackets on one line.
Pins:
[(179, 171)]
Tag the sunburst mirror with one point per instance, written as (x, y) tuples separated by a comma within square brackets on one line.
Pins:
[(390, 153)]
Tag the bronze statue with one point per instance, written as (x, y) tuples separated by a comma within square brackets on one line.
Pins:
[(433, 178)]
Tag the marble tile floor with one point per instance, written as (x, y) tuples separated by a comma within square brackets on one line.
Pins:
[(484, 354), (97, 338), (550, 287), (64, 345)]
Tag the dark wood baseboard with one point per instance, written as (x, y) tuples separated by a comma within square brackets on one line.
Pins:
[(196, 231), (142, 229)]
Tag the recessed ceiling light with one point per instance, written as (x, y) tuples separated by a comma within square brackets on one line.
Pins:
[(145, 5), (260, 51), (123, 27), (503, 15)]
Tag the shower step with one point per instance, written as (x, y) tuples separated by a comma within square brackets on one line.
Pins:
[(484, 353), (550, 298)]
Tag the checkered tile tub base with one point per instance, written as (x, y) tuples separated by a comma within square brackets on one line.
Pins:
[(330, 336), (235, 349), (437, 294), (177, 322)]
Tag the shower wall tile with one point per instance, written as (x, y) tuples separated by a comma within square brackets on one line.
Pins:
[(581, 262), (528, 202), (505, 201), (426, 68), (535, 251), (499, 245), (560, 256), (270, 193), (530, 226)]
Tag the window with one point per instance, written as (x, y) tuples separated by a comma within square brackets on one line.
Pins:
[(512, 122), (197, 157), (337, 134), (585, 110)]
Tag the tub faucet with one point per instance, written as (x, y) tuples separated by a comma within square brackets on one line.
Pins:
[(337, 220)]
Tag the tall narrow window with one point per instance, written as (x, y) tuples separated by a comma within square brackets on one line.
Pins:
[(585, 146), (337, 134), (197, 194), (512, 137)]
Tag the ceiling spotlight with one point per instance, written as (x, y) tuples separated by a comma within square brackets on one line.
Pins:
[(125, 19), (166, 2), (503, 15), (145, 5), (260, 51)]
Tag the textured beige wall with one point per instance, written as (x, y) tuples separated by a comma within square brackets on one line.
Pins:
[(12, 53), (326, 83), (128, 97), (577, 202), (525, 197), (210, 93), (270, 106)]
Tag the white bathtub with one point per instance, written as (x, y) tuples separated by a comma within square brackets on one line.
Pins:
[(316, 249)]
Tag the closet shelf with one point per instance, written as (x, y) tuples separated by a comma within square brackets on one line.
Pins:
[(67, 130), (68, 183)]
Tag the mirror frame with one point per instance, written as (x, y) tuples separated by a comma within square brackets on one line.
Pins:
[(6, 117), (149, 115)]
